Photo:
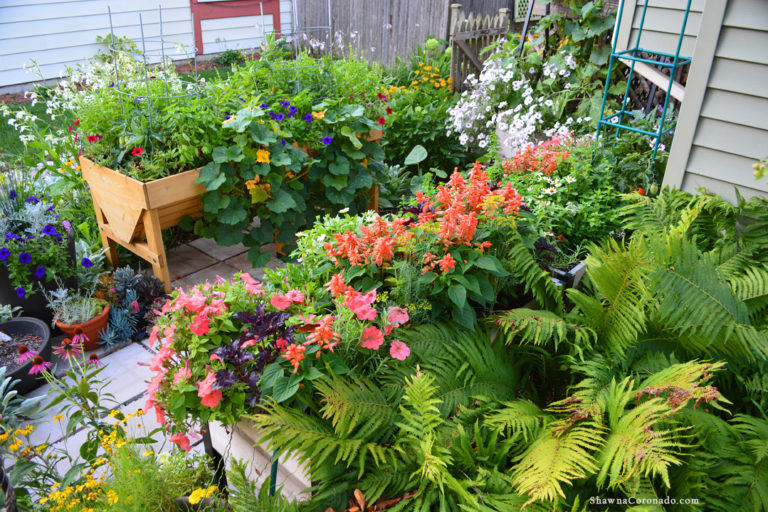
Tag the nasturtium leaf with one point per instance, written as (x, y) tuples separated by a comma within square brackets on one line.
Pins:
[(258, 258), (211, 176), (282, 201), (227, 154), (232, 214), (417, 155)]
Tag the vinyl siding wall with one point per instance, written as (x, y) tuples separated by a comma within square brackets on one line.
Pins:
[(57, 34), (727, 125)]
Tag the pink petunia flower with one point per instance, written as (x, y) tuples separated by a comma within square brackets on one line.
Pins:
[(252, 285), (280, 302), (372, 338), (399, 350), (181, 440), (397, 316), (295, 296), (200, 325), (360, 305), (210, 397)]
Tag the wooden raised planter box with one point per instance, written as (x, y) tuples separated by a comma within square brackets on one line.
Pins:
[(132, 213)]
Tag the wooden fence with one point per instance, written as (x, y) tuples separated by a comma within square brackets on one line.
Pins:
[(382, 30), (469, 35)]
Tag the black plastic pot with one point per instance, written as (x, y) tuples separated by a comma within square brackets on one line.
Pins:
[(28, 325)]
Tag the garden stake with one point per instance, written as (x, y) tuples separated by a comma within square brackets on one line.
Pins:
[(273, 474)]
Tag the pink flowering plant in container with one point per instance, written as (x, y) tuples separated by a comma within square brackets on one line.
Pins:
[(223, 347)]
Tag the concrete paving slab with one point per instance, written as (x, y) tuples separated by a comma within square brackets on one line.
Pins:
[(219, 252), (185, 260), (207, 274)]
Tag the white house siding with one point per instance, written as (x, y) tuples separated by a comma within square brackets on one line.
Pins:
[(57, 34)]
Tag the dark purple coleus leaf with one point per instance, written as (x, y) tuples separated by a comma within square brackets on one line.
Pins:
[(226, 378)]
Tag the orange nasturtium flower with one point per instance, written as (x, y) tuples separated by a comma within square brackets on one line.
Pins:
[(262, 155)]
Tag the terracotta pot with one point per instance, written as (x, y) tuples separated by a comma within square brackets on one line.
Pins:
[(90, 328)]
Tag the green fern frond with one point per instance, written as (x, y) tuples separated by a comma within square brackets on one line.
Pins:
[(356, 408), (554, 460), (536, 280), (519, 418), (653, 214), (752, 288), (637, 444), (468, 365), (694, 297), (314, 441), (542, 328), (618, 274)]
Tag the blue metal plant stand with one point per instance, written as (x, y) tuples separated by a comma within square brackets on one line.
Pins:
[(670, 61)]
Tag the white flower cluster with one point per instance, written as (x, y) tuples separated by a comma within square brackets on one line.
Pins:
[(503, 98), (474, 117)]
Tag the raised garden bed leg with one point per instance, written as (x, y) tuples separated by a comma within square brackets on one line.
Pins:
[(156, 247), (106, 242)]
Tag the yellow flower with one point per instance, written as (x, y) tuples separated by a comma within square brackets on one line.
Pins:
[(147, 453), (262, 155), (69, 163), (232, 118), (79, 168), (112, 497), (196, 496), (4, 437), (58, 418), (319, 115)]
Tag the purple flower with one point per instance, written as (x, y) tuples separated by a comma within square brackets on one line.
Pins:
[(4, 253), (49, 230), (327, 140), (263, 106), (40, 272), (32, 200), (21, 292), (112, 84), (25, 258), (86, 263), (293, 110), (285, 103), (282, 141), (12, 236), (12, 194), (308, 118), (51, 208), (280, 117), (242, 99), (67, 225), (272, 115)]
